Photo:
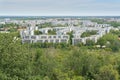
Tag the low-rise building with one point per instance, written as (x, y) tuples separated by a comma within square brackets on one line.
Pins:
[(61, 33)]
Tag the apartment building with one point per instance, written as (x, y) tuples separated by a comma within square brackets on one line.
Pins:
[(61, 33)]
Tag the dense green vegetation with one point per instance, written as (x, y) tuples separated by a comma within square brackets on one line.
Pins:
[(44, 25), (111, 41), (9, 27), (37, 32), (114, 23), (49, 24), (102, 21), (51, 32), (88, 33), (71, 36), (60, 61), (99, 21)]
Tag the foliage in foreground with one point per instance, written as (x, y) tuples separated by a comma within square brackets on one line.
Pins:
[(27, 62)]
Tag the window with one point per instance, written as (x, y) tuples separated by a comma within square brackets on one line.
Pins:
[(33, 37), (63, 40), (54, 36), (57, 41), (59, 36), (50, 36), (43, 37), (65, 36), (26, 37), (51, 41), (26, 41), (46, 40), (40, 41)]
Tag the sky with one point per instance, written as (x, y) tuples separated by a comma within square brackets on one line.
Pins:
[(60, 7)]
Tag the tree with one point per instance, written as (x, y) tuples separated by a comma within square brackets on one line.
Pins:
[(51, 32), (115, 46), (90, 43), (37, 32), (81, 63), (101, 41), (71, 36), (107, 73), (88, 33), (3, 76)]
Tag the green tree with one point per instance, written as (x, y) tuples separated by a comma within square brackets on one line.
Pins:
[(90, 43), (37, 32), (71, 36), (51, 32), (101, 41), (88, 33), (107, 73)]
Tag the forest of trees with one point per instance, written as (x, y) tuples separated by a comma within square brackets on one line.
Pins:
[(59, 62), (49, 24), (102, 21), (11, 27)]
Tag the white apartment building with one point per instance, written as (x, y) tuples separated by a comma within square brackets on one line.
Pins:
[(29, 37), (61, 33), (101, 31), (46, 38)]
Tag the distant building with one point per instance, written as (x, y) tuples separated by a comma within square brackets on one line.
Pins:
[(28, 35)]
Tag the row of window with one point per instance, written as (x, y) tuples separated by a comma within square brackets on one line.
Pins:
[(49, 41), (44, 37)]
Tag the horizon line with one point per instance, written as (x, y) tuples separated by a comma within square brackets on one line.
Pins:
[(61, 15)]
